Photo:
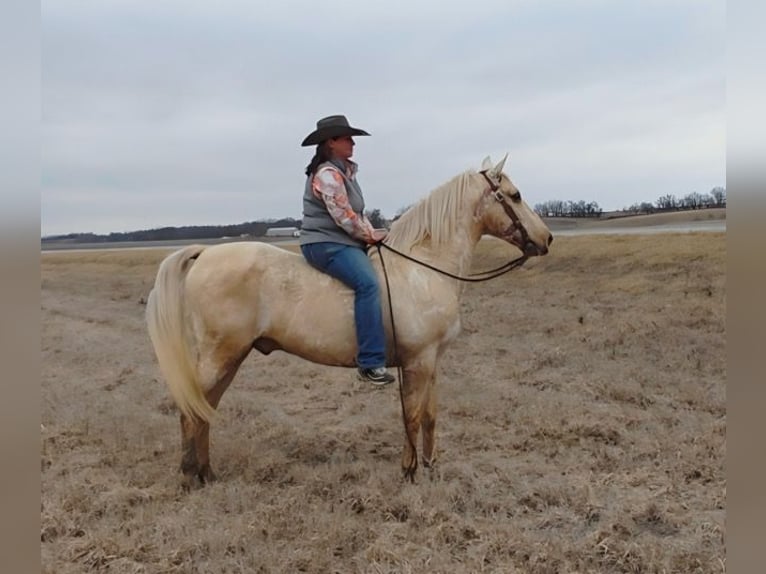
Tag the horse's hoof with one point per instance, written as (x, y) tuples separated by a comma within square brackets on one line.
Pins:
[(206, 475), (429, 467), (191, 482), (195, 479)]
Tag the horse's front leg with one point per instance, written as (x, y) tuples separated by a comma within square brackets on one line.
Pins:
[(417, 379), (428, 423)]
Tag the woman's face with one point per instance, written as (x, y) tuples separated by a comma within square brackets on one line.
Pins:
[(341, 147)]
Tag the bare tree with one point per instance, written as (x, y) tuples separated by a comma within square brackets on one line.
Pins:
[(593, 209), (667, 202), (377, 220), (401, 211), (646, 207), (558, 208), (694, 200), (719, 196)]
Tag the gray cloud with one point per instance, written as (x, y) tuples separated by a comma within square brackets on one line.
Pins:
[(188, 113)]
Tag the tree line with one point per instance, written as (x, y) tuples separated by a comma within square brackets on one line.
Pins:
[(715, 198), (558, 208), (251, 228)]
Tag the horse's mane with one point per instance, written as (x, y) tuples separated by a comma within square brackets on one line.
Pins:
[(433, 218)]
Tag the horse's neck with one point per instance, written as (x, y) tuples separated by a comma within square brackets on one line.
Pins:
[(454, 251)]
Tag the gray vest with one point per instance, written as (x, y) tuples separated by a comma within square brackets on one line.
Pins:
[(318, 225)]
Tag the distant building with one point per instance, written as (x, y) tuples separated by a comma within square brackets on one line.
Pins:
[(283, 232)]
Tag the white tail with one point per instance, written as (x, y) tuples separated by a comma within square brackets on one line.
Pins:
[(166, 321)]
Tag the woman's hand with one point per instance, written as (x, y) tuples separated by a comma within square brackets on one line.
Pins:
[(379, 235)]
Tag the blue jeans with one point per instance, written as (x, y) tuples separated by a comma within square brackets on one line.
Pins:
[(352, 266)]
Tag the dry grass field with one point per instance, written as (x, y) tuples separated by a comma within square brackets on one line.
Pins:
[(581, 428)]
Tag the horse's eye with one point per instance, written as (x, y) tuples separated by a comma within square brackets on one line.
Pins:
[(516, 196)]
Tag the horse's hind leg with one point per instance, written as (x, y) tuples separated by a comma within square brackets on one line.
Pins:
[(213, 396), (195, 440), (189, 459), (195, 433)]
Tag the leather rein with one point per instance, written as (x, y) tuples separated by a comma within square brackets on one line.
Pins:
[(516, 225)]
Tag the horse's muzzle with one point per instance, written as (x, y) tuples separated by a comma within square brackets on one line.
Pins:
[(533, 250)]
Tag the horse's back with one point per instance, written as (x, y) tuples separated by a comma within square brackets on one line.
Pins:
[(252, 272), (240, 256), (255, 291)]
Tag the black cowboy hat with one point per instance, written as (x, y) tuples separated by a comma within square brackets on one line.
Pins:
[(332, 127)]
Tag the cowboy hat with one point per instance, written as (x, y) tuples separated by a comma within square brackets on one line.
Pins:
[(332, 127)]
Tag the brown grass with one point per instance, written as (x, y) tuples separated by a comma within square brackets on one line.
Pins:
[(582, 429)]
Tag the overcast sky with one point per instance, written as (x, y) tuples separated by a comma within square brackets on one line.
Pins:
[(171, 113)]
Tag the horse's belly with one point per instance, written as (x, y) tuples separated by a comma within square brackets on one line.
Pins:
[(322, 334), (325, 352)]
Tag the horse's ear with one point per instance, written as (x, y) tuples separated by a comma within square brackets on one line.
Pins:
[(486, 165), (498, 169)]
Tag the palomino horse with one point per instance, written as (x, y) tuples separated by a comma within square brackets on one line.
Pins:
[(211, 305)]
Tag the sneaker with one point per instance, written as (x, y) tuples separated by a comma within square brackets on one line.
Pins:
[(378, 376)]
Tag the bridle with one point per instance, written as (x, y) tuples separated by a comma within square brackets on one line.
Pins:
[(516, 225)]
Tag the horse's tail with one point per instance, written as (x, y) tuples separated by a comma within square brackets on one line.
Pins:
[(166, 319)]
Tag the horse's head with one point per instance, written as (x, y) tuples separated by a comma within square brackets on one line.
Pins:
[(504, 214)]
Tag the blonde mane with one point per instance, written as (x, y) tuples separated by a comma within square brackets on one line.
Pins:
[(434, 218)]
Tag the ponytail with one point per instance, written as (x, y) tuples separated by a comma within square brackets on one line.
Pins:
[(322, 155)]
